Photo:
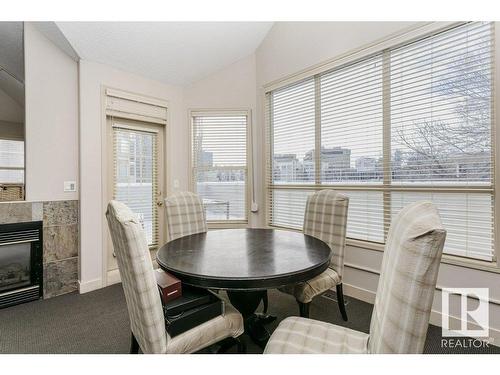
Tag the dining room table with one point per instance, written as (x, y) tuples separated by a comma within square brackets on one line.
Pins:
[(245, 263)]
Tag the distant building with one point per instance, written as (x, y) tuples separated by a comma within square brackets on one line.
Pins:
[(332, 158), (286, 167), (366, 164), (335, 162)]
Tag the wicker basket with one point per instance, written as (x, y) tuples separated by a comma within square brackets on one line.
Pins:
[(11, 192)]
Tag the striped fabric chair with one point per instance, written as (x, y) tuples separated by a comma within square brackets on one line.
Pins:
[(404, 297), (185, 215), (326, 219), (147, 321)]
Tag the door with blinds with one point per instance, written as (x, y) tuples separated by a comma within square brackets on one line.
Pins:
[(137, 174)]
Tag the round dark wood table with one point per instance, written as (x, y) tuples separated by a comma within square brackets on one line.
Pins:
[(245, 263)]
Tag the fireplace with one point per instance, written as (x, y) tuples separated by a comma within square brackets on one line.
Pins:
[(21, 269)]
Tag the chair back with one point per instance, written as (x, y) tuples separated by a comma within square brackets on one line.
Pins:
[(325, 218), (145, 311), (407, 281), (185, 215)]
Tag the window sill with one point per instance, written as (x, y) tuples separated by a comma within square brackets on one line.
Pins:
[(476, 264), (227, 224), (454, 260), (365, 244)]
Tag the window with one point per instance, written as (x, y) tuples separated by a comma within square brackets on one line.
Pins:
[(408, 123), (11, 170), (219, 164), (11, 161), (136, 181)]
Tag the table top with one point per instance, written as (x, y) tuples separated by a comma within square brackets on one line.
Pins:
[(244, 259)]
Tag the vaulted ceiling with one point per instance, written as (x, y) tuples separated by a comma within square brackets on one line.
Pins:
[(171, 52)]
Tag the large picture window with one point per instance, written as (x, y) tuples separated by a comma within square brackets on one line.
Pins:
[(408, 123), (219, 163)]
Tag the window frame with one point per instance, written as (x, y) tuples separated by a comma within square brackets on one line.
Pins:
[(383, 47), (221, 224)]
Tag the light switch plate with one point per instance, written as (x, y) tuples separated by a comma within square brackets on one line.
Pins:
[(69, 186)]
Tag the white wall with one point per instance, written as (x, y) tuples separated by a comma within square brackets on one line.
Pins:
[(231, 88), (291, 47), (51, 79), (93, 77), (10, 110)]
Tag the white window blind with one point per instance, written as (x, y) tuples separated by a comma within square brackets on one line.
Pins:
[(219, 164), (11, 161), (135, 180), (409, 123), (294, 133), (351, 129)]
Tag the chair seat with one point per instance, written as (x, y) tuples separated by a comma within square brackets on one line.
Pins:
[(228, 325), (306, 291), (296, 335)]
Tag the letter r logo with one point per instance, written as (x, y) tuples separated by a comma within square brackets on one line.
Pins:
[(477, 317)]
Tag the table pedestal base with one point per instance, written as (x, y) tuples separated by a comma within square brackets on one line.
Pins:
[(246, 302)]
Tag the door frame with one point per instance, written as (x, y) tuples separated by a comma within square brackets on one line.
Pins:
[(113, 277), (145, 127)]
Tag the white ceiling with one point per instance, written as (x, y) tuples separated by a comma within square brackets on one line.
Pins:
[(171, 52)]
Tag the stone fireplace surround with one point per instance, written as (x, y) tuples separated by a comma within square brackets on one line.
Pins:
[(60, 240)]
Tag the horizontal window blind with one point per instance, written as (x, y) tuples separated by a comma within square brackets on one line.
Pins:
[(409, 123), (135, 179), (351, 123), (441, 106), (219, 164), (11, 161), (294, 133)]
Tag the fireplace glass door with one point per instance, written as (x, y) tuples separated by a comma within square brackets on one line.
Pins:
[(15, 266)]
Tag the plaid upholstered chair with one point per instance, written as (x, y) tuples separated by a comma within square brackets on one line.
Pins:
[(326, 219), (185, 215), (404, 298), (147, 321)]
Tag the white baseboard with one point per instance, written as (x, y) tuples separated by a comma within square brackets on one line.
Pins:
[(113, 277), (359, 293), (435, 318), (89, 286)]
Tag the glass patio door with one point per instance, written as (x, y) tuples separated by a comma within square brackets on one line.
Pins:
[(138, 174)]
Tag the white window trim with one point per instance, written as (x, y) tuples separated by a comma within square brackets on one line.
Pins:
[(420, 30), (250, 175)]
